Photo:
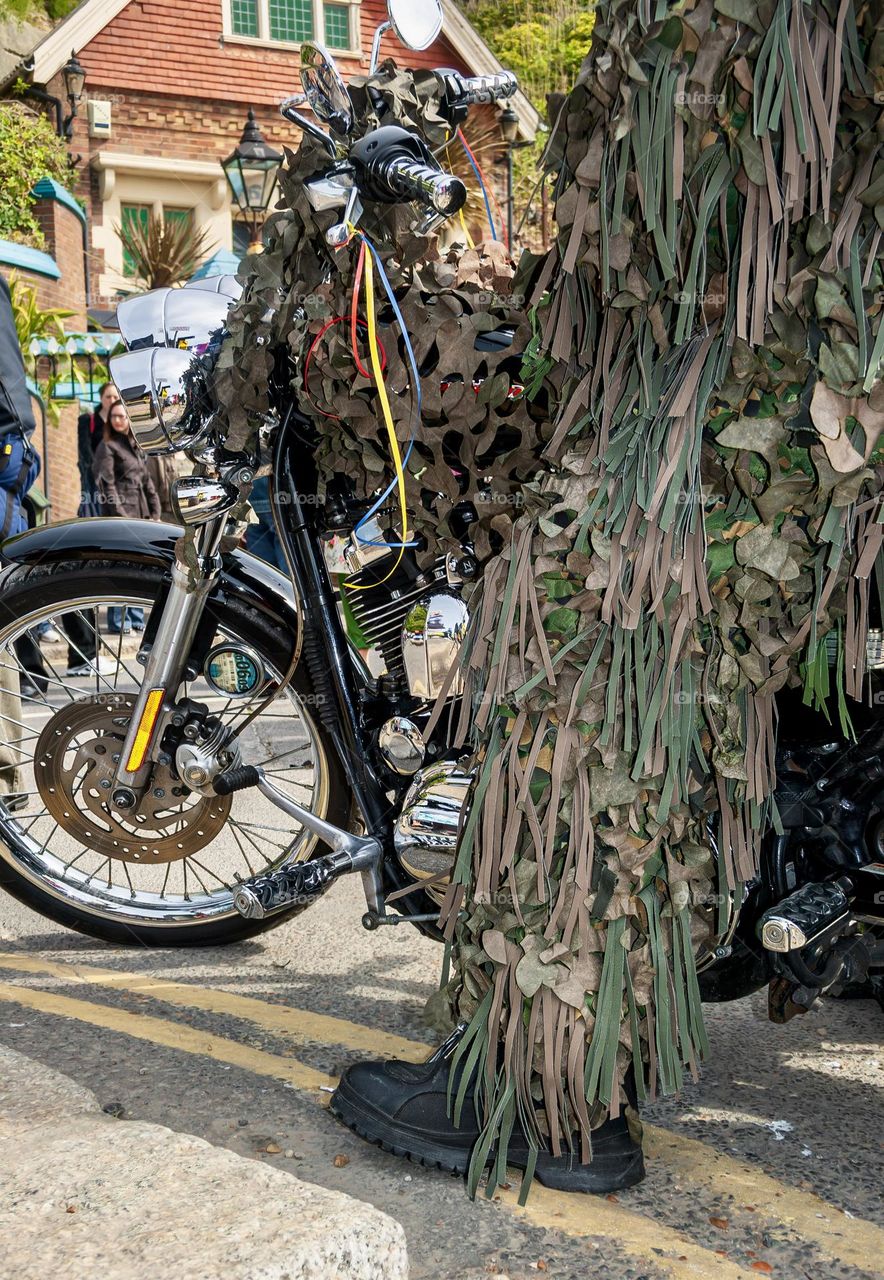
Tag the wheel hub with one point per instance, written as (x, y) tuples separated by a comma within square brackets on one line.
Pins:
[(74, 764)]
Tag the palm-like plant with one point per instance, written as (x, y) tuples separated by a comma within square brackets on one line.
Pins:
[(32, 320), (164, 251), (489, 150)]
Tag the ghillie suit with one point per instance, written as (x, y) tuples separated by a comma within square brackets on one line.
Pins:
[(704, 519), (710, 315)]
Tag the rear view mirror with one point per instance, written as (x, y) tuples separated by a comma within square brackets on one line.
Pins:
[(416, 23)]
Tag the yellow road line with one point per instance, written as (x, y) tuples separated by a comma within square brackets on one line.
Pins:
[(300, 1025), (577, 1216), (170, 1034), (849, 1240), (854, 1241), (640, 1237)]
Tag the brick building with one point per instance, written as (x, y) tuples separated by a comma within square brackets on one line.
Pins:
[(58, 278), (168, 88)]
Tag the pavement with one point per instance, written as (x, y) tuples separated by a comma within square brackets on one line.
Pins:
[(84, 1193), (771, 1164)]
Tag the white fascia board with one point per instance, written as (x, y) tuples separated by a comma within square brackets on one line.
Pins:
[(160, 166), (73, 33)]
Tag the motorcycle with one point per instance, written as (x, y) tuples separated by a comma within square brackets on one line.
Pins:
[(179, 794)]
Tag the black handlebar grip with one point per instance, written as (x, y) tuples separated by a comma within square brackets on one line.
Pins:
[(413, 180), (245, 775)]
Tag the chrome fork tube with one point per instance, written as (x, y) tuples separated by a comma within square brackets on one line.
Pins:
[(167, 658)]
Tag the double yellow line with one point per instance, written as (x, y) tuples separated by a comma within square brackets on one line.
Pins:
[(853, 1241)]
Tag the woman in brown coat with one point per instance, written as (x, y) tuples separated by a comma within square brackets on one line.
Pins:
[(124, 488)]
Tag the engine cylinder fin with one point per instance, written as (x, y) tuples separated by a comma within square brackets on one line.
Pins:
[(381, 608)]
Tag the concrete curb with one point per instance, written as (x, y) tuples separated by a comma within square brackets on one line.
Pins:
[(83, 1195)]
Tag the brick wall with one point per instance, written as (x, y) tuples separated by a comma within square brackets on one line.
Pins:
[(59, 476), (179, 89), (183, 49), (62, 474), (64, 241)]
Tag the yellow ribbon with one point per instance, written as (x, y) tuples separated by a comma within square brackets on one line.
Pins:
[(378, 372)]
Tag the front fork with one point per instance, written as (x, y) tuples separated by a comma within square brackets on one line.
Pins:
[(166, 663)]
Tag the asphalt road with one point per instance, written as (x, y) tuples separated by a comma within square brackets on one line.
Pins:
[(772, 1164)]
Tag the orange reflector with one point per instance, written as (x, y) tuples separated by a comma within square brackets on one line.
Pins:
[(145, 729)]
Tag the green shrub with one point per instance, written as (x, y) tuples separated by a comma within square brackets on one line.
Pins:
[(34, 10), (30, 150), (542, 41)]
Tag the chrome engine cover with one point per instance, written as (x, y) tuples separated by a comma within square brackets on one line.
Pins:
[(426, 831), (433, 633)]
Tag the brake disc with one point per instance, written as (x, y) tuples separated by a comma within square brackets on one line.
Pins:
[(74, 765)]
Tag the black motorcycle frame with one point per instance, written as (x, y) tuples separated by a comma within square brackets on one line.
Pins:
[(341, 688)]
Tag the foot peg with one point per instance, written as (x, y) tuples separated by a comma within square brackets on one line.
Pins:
[(806, 914), (300, 881), (244, 775), (292, 886)]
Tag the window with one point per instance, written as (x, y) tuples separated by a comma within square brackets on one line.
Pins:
[(177, 215), (291, 20), (133, 215), (244, 17), (337, 25), (334, 22), (242, 238)]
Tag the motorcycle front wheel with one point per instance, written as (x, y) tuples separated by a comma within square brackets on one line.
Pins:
[(167, 875)]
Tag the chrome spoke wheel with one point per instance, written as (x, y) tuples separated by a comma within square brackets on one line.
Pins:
[(65, 704)]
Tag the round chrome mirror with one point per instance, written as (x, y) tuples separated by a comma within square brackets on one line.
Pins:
[(416, 23), (325, 90)]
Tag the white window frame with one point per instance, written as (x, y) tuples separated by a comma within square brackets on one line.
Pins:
[(264, 40)]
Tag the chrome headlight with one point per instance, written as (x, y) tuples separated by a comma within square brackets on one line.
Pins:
[(228, 285), (159, 380), (173, 318), (159, 386)]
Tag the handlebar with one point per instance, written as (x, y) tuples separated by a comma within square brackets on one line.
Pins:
[(485, 89), (392, 164), (413, 180)]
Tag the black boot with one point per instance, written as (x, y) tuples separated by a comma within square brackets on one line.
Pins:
[(403, 1108)]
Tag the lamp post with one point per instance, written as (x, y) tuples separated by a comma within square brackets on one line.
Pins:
[(251, 171), (74, 76), (509, 128)]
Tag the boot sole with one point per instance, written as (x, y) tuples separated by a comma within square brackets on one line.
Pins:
[(615, 1169)]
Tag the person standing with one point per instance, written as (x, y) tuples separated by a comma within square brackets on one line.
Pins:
[(123, 488), (19, 468), (90, 433)]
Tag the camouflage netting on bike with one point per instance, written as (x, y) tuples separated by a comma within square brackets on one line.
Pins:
[(446, 301), (703, 528)]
